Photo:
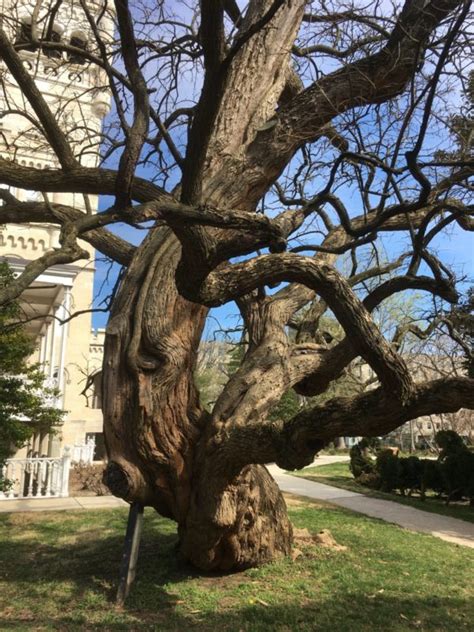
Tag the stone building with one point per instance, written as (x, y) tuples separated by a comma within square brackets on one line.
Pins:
[(68, 350)]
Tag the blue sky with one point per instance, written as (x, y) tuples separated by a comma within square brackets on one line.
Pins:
[(454, 246)]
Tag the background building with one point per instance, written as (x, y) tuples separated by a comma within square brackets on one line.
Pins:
[(68, 350)]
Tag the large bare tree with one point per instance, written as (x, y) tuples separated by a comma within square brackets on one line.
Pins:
[(258, 142)]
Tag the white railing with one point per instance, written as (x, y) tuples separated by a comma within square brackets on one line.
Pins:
[(36, 477), (83, 452)]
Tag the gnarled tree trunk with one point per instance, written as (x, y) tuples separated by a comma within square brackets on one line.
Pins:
[(157, 434), (160, 442), (206, 470)]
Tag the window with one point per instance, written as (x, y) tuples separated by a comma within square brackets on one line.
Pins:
[(55, 38), (100, 453), (97, 390), (78, 40), (24, 35)]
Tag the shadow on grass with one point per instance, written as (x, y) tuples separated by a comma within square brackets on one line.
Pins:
[(56, 584), (335, 614), (91, 560)]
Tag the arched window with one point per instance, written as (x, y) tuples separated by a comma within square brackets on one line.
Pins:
[(97, 390), (78, 40), (53, 36), (23, 35)]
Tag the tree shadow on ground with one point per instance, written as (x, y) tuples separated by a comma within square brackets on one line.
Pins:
[(334, 614), (79, 580)]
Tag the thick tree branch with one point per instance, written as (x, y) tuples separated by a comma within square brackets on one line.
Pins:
[(212, 34), (320, 369), (52, 129), (38, 212), (376, 413), (374, 79), (68, 252), (136, 134), (293, 444), (78, 180), (234, 281)]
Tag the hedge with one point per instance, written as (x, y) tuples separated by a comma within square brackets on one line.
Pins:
[(451, 475)]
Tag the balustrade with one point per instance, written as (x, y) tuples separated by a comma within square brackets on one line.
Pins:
[(83, 452), (41, 477)]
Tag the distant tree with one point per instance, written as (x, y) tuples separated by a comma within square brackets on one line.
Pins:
[(287, 407), (462, 319), (22, 404)]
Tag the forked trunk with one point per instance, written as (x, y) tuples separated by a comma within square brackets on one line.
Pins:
[(154, 423), (156, 431)]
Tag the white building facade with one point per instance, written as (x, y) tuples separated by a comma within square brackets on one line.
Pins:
[(57, 305)]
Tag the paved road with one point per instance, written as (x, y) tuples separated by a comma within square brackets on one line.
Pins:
[(444, 527), (324, 459)]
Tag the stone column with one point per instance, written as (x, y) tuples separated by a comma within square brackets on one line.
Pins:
[(63, 313), (54, 339), (43, 444), (42, 353), (54, 445), (47, 348)]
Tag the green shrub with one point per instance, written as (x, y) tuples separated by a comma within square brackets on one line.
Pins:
[(457, 471), (410, 474), (370, 443), (360, 462), (456, 466), (389, 469), (449, 442), (432, 477), (451, 475), (370, 479)]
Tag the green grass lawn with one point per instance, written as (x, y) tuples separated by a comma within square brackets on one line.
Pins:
[(339, 475), (58, 571)]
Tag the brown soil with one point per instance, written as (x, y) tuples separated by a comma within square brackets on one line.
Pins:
[(81, 484)]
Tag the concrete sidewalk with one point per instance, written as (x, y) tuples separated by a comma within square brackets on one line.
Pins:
[(444, 527), (61, 504), (97, 502)]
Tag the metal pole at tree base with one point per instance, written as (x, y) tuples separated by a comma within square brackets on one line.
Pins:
[(128, 566)]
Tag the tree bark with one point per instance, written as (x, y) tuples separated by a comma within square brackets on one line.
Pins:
[(206, 471), (236, 525), (155, 428), (233, 518)]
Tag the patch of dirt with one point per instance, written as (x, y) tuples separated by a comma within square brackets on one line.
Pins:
[(324, 538), (224, 580), (86, 480)]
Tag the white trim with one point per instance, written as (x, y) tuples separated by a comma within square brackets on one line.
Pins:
[(65, 311), (58, 275), (52, 357)]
